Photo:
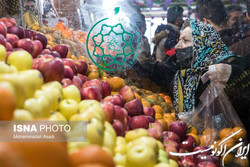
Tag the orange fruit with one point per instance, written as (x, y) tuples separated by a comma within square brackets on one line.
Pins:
[(225, 132), (169, 121), (210, 131), (7, 104), (228, 159), (192, 129), (106, 79), (91, 67), (83, 58), (241, 162), (242, 134), (162, 95), (173, 115), (69, 54), (229, 143), (157, 109), (206, 140), (167, 99), (93, 74), (164, 124), (152, 97), (158, 116), (168, 116), (145, 103), (114, 93), (117, 83), (92, 165), (73, 57), (215, 144), (90, 155), (196, 137)]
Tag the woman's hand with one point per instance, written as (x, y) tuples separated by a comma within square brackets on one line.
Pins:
[(218, 73)]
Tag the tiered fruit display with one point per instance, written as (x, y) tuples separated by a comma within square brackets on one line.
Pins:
[(126, 126)]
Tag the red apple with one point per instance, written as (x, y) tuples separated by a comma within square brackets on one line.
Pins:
[(46, 56), (151, 119), (162, 123), (38, 47), (46, 51), (139, 122), (188, 161), (155, 133), (118, 127), (2, 40), (109, 110), (172, 136), (68, 72), (167, 142), (125, 123), (3, 29), (118, 114), (189, 144), (206, 164), (81, 66), (8, 21), (70, 63), (106, 89), (115, 99), (29, 33), (26, 44), (66, 82), (77, 82), (171, 148), (127, 93), (55, 54), (202, 149), (36, 62), (134, 107), (94, 83), (52, 69), (42, 38), (125, 112), (11, 38), (61, 49), (206, 158), (149, 111), (180, 128), (8, 46), (83, 78), (91, 93), (18, 30)]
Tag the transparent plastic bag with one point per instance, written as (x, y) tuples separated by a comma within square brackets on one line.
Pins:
[(219, 127)]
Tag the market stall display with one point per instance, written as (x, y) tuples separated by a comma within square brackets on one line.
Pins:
[(47, 74)]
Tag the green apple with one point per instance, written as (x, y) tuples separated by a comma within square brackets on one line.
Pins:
[(21, 59), (5, 68), (162, 164), (57, 116), (53, 95), (173, 163), (147, 141), (163, 156), (33, 106), (54, 84), (87, 116), (22, 115), (120, 159), (134, 134), (95, 132), (46, 107), (13, 69), (92, 105), (68, 107), (71, 92), (32, 81), (2, 53), (109, 141), (141, 155), (109, 128), (120, 146), (20, 90)]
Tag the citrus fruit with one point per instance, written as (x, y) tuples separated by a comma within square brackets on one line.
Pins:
[(7, 104), (225, 132), (242, 134), (157, 109), (117, 83)]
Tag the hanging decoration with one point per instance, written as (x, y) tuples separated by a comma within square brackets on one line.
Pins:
[(166, 3), (150, 3), (189, 2)]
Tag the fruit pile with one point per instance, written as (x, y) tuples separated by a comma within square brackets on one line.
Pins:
[(126, 126)]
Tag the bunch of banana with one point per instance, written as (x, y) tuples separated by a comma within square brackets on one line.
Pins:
[(12, 6), (31, 20)]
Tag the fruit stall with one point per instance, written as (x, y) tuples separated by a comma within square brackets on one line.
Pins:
[(63, 74)]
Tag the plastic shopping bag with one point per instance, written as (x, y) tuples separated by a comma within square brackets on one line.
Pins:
[(220, 128)]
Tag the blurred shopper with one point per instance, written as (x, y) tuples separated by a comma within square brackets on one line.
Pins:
[(234, 12), (165, 41), (214, 13)]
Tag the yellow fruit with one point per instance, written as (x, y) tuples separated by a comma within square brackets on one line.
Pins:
[(116, 83)]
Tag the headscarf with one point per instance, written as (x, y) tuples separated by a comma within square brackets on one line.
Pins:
[(208, 49)]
